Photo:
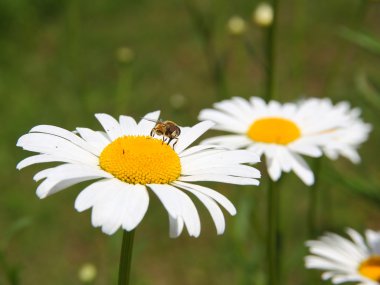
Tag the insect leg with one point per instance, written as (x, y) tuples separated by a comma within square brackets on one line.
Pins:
[(176, 140)]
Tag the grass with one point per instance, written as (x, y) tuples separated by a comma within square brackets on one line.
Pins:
[(58, 66)]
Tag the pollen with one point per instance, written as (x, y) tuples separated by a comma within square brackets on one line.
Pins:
[(141, 160), (274, 130), (370, 268)]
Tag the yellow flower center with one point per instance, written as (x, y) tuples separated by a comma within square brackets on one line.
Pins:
[(274, 130), (141, 160), (370, 268)]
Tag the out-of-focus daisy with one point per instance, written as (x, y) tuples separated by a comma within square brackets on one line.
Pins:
[(126, 161), (345, 260), (284, 132)]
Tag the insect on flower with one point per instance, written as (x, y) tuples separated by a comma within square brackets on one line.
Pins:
[(167, 129)]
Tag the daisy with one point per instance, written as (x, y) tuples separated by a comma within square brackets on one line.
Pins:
[(126, 161), (284, 132), (345, 260)]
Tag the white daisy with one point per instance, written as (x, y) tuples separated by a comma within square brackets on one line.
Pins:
[(284, 132), (126, 161), (344, 260)]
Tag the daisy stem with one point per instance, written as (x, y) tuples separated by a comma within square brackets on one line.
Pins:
[(126, 257), (313, 200), (272, 235), (272, 194)]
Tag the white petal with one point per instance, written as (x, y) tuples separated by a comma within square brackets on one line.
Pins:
[(223, 121), (220, 178), (243, 104), (183, 207), (214, 210), (189, 137), (306, 149), (220, 158), (237, 170), (50, 186), (94, 138), (359, 240), (222, 200), (230, 141), (274, 169), (300, 168), (234, 109), (63, 176), (373, 239), (167, 199), (50, 144), (114, 203), (128, 126), (258, 103), (198, 149), (147, 123), (65, 134), (110, 211), (110, 125), (175, 226), (91, 195), (136, 203), (42, 158)]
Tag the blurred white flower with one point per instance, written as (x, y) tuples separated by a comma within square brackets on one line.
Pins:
[(347, 260), (126, 161), (236, 26), (263, 14), (284, 132)]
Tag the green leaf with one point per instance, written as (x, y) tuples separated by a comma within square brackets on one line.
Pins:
[(361, 39), (365, 188), (367, 89)]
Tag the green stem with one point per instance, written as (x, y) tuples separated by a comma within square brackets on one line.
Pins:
[(125, 257), (273, 252), (270, 50), (313, 200), (216, 64), (273, 230)]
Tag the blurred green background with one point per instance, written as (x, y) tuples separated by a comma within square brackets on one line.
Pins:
[(62, 61)]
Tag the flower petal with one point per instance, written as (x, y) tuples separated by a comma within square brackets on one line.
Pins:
[(222, 200), (54, 145), (63, 176), (110, 125), (194, 133), (115, 204), (65, 134), (183, 208), (147, 123), (128, 126)]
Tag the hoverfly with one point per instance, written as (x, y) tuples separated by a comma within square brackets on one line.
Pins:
[(167, 129)]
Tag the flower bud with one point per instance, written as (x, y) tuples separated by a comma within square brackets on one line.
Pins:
[(263, 14), (87, 273), (236, 26)]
